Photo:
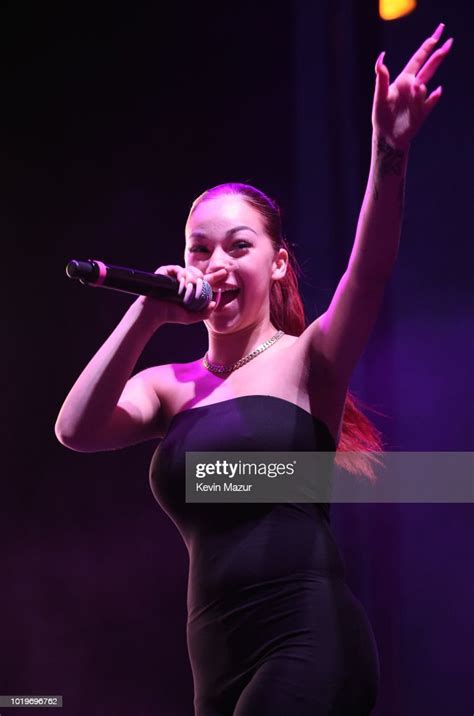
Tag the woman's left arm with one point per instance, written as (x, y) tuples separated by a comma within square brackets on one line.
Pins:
[(399, 110)]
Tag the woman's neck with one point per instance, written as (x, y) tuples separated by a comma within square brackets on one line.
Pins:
[(227, 348)]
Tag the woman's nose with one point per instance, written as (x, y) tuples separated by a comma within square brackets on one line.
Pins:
[(218, 260)]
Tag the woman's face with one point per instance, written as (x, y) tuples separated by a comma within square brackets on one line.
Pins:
[(227, 232)]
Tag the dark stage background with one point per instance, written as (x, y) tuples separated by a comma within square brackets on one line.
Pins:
[(114, 117)]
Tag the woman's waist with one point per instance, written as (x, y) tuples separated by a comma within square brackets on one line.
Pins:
[(209, 601), (261, 558)]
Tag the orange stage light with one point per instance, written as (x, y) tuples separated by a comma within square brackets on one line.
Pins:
[(392, 9)]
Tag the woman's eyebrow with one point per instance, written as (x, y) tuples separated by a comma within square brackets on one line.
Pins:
[(234, 230)]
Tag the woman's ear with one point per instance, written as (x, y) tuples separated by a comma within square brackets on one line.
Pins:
[(279, 264)]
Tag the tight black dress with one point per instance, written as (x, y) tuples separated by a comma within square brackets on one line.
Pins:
[(273, 628)]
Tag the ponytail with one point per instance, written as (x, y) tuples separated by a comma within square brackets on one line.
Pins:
[(358, 435)]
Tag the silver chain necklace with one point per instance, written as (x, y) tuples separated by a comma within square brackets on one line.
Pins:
[(216, 368)]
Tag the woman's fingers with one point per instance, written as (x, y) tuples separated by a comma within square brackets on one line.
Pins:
[(195, 282), (439, 31), (432, 101), (199, 283), (428, 70), (186, 276), (193, 279), (382, 83), (216, 276), (417, 61)]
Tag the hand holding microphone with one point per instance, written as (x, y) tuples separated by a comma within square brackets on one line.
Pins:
[(189, 285), (162, 289)]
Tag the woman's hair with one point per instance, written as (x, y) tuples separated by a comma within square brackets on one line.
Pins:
[(358, 434)]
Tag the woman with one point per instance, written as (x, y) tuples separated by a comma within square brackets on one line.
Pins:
[(272, 626)]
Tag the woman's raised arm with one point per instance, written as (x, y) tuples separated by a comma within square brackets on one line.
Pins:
[(399, 110)]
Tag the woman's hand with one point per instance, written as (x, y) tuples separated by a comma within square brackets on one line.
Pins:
[(168, 312), (400, 108)]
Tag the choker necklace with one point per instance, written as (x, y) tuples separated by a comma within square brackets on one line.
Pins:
[(216, 368)]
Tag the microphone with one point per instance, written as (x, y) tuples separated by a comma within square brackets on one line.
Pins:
[(97, 274)]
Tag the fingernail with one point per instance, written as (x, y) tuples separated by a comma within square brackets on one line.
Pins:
[(438, 32), (181, 283), (447, 44), (188, 293), (379, 61)]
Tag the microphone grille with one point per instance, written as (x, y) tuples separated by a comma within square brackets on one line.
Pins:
[(199, 303)]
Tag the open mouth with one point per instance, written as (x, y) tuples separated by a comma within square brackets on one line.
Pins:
[(227, 296)]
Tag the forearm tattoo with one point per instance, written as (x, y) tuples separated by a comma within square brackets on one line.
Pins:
[(388, 161)]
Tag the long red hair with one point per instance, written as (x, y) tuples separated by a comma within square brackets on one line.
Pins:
[(359, 436)]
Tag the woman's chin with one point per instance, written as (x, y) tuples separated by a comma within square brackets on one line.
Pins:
[(222, 317), (225, 311)]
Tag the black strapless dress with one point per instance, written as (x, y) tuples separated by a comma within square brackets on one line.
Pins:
[(273, 628)]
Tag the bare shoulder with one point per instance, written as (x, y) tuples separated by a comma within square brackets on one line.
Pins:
[(169, 381), (167, 376)]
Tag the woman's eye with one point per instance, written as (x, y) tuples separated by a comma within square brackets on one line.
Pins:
[(236, 245)]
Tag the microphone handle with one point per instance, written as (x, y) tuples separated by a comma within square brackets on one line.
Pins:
[(97, 274)]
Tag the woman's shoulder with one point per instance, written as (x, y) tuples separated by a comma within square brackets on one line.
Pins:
[(170, 377)]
